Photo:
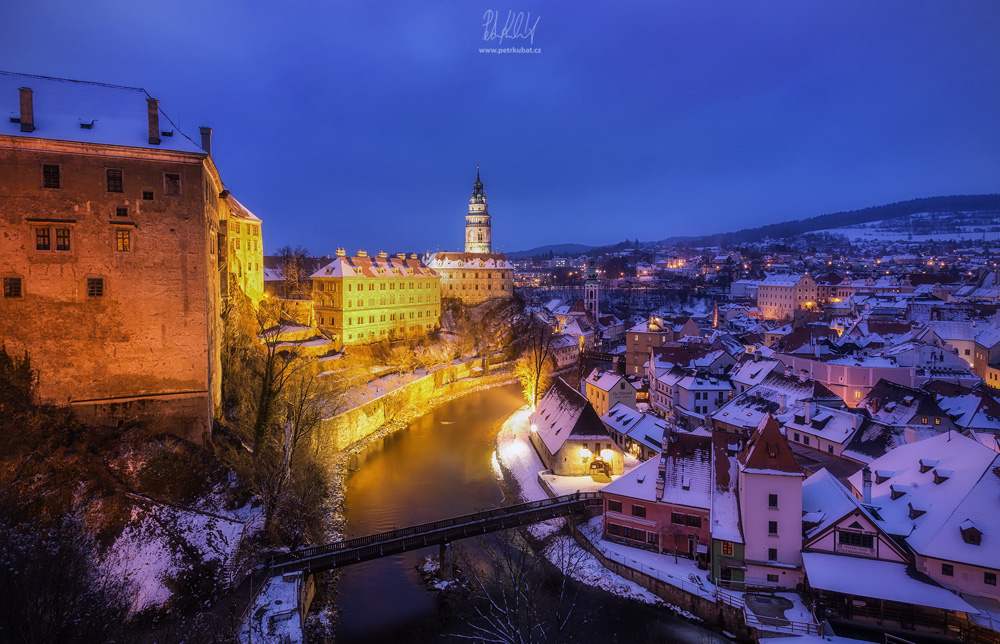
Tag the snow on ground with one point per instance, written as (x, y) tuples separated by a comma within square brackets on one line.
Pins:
[(518, 456), (275, 614), (146, 552), (543, 529), (567, 555), (683, 574)]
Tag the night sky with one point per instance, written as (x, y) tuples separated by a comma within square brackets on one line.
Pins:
[(360, 124)]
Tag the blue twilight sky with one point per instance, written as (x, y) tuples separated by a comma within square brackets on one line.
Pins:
[(359, 124)]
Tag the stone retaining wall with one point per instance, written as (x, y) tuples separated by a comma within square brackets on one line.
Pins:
[(344, 429), (715, 614)]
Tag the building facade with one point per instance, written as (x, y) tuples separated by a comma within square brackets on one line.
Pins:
[(113, 254), (362, 299), (246, 250), (780, 296), (477, 274)]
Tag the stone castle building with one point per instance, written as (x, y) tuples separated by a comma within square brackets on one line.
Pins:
[(478, 274), (113, 253), (365, 299), (246, 250)]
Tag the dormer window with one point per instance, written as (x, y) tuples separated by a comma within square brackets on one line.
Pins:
[(970, 533), (896, 492), (915, 511), (881, 476), (927, 464), (940, 476)]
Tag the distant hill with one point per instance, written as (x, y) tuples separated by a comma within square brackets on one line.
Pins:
[(573, 250), (954, 203)]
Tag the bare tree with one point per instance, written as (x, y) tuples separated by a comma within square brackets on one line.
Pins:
[(534, 368), (516, 597), (292, 263)]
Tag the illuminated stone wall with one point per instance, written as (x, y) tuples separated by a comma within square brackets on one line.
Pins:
[(145, 345)]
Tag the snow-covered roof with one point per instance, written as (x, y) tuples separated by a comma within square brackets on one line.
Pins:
[(366, 266), (825, 500), (782, 280), (753, 372), (647, 429), (687, 467), (446, 260), (639, 483), (957, 484), (603, 379), (879, 580), (725, 503), (117, 115), (564, 412), (834, 425)]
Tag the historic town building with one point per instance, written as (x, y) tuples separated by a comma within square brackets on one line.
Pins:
[(113, 254), (246, 250), (478, 274), (365, 299), (780, 296)]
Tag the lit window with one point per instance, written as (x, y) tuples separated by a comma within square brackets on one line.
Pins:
[(43, 240), (727, 548), (123, 240), (62, 238)]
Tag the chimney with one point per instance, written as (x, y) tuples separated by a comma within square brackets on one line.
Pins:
[(206, 139), (782, 401), (153, 113), (866, 485), (808, 411), (27, 110)]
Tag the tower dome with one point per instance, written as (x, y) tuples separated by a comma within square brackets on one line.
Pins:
[(477, 222)]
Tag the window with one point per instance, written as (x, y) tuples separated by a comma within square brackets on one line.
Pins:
[(147, 195), (829, 449), (805, 440), (639, 535), (693, 520), (772, 500), (626, 532), (171, 184), (95, 287), (923, 420), (122, 240), (948, 570), (12, 287), (772, 527), (772, 579), (772, 554), (614, 506), (990, 578), (937, 421), (614, 528), (62, 238), (796, 437), (114, 177), (43, 240), (676, 518), (51, 175), (727, 548), (639, 511), (121, 211)]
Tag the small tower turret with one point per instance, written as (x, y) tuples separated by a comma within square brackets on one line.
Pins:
[(477, 222), (592, 290)]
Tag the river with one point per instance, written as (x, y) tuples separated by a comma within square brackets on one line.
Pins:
[(440, 466)]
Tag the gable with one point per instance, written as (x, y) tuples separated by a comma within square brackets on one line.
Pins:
[(858, 528)]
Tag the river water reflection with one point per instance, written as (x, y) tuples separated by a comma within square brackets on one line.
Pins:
[(441, 466)]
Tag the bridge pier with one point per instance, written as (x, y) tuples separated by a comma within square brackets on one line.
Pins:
[(447, 570)]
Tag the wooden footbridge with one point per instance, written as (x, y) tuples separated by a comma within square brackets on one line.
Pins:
[(384, 544)]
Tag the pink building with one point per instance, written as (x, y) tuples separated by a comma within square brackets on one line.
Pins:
[(664, 503), (770, 496)]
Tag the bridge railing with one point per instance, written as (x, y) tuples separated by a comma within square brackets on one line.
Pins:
[(372, 539)]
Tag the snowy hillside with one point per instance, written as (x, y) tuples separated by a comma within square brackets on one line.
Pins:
[(925, 226)]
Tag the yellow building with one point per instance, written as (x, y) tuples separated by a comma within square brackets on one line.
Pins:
[(246, 250), (478, 274), (365, 299)]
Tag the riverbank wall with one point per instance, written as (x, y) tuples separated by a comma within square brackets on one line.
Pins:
[(716, 614), (343, 430)]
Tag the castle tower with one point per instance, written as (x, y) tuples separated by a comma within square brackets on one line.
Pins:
[(590, 292), (477, 222)]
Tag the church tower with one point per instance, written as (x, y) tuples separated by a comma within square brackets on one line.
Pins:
[(590, 292), (477, 222)]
